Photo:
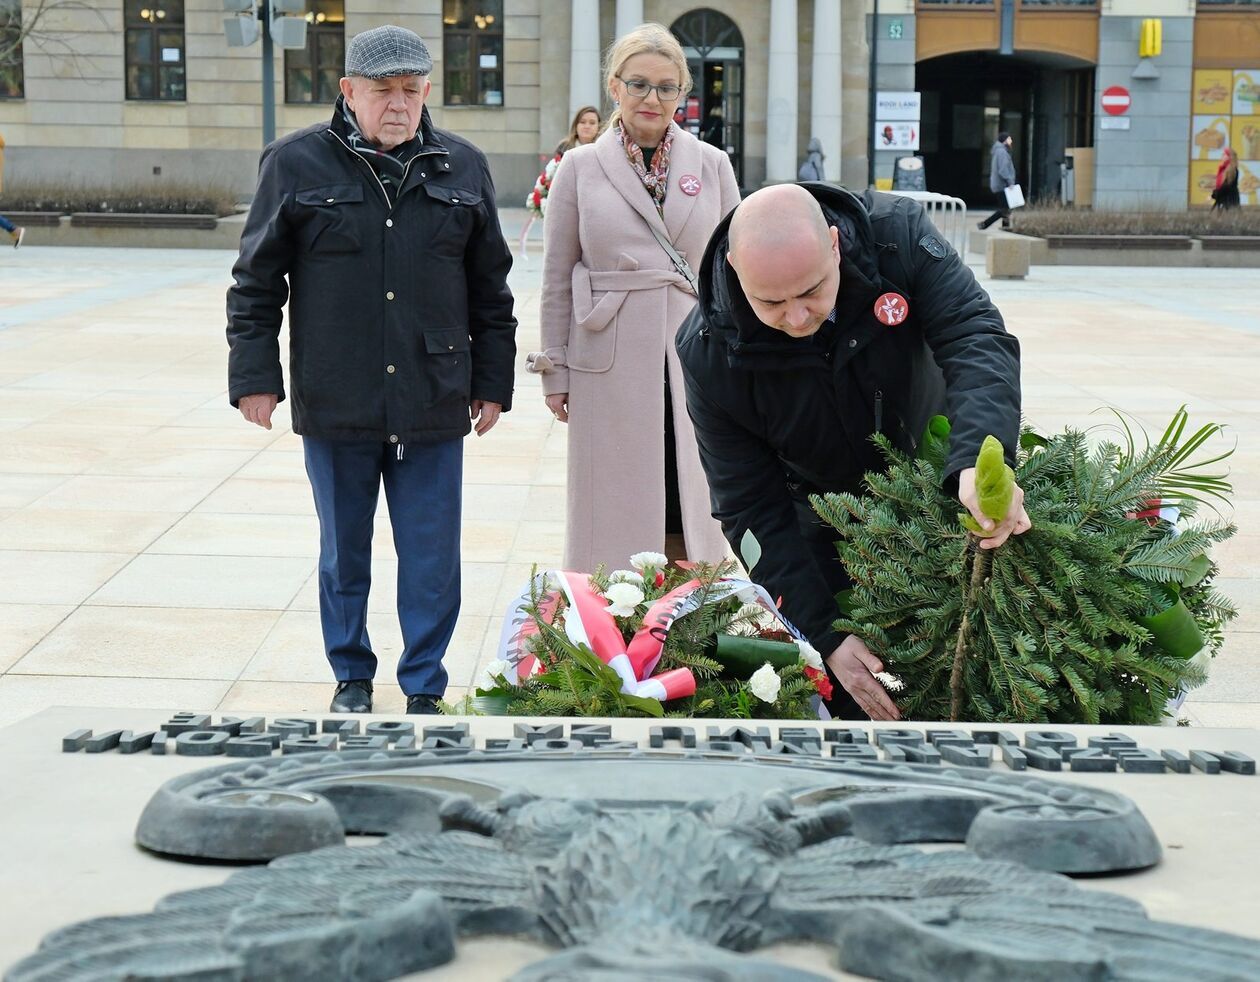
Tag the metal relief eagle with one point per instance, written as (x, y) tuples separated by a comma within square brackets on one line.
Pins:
[(641, 864)]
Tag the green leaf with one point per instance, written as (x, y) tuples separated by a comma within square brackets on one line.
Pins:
[(645, 705), (749, 550)]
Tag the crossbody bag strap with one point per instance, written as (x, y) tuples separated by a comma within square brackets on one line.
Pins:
[(679, 262)]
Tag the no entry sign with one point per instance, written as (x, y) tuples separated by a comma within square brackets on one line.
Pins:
[(1116, 100)]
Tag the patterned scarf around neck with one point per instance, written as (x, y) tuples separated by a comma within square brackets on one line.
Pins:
[(386, 162), (656, 178)]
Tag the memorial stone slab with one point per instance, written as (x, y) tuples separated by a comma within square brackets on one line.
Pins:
[(811, 843)]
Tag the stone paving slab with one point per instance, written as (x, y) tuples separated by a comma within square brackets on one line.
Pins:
[(136, 506)]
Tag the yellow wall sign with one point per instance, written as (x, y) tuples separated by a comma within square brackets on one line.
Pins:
[(1202, 181), (1246, 93), (1244, 137)]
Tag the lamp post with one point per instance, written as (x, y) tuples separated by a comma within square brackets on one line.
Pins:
[(245, 27), (873, 85)]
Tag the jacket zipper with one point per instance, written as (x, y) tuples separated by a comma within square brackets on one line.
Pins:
[(376, 177), (879, 410)]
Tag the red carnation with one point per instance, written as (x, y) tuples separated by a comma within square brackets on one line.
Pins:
[(820, 680)]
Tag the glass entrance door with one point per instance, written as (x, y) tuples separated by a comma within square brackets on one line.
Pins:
[(714, 110)]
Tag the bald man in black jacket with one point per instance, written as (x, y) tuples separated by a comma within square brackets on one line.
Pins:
[(825, 318)]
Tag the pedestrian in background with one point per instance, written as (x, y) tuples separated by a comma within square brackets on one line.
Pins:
[(812, 169), (401, 336), (625, 217), (583, 129), (1225, 194), (16, 232), (1001, 177)]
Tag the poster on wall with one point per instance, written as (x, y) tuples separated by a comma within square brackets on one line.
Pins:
[(1209, 137), (1244, 137), (896, 136), (1249, 182), (1202, 181), (1247, 93), (1213, 91), (1225, 107)]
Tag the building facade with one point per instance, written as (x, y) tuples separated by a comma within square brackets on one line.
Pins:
[(130, 92)]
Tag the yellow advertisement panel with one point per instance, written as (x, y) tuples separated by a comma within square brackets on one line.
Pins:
[(1213, 89), (1209, 136), (1202, 181), (1247, 92), (1244, 137), (1249, 182)]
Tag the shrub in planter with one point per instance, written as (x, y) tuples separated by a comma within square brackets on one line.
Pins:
[(154, 199), (1100, 613)]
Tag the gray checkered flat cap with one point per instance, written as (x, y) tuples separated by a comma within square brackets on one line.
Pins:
[(384, 52)]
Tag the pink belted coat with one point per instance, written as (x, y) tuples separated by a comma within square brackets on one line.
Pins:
[(611, 305)]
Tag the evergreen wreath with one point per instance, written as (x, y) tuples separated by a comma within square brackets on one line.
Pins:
[(1100, 613)]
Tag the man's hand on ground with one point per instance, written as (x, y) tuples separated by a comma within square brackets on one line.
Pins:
[(257, 409), (854, 665), (484, 415), (1016, 521)]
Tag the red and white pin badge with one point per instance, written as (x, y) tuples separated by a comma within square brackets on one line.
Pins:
[(690, 185), (891, 309)]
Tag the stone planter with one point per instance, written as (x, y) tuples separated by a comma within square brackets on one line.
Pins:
[(87, 219)]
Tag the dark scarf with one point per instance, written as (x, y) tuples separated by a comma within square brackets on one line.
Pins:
[(390, 165)]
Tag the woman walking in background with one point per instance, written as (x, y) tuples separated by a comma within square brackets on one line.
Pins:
[(613, 297), (1225, 194), (583, 130)]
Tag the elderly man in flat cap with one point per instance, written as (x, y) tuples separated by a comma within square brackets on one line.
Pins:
[(401, 340)]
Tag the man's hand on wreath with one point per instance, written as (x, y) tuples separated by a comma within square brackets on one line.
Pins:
[(854, 665), (1016, 521)]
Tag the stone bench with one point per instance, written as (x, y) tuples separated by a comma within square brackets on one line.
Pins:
[(1244, 242), (32, 219), (88, 219), (1174, 242)]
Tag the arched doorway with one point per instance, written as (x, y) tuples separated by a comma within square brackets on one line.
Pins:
[(1044, 100), (714, 111)]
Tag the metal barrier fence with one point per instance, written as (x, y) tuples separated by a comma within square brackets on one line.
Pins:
[(948, 214)]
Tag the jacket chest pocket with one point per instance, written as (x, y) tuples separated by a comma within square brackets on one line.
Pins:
[(452, 214), (447, 366), (329, 218)]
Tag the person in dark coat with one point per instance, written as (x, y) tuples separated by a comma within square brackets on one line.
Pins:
[(825, 318), (1225, 194), (813, 169), (1001, 177), (401, 337)]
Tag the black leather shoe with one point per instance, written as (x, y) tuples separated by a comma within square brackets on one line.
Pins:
[(422, 705), (352, 696)]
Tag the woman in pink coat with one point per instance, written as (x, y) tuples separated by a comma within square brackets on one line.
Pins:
[(612, 301)]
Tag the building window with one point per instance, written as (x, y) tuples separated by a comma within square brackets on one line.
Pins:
[(313, 75), (472, 52), (11, 74), (155, 50)]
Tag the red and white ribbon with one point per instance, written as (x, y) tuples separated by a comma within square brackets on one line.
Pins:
[(588, 622)]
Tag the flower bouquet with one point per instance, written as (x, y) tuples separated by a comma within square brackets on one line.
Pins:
[(652, 640), (536, 200)]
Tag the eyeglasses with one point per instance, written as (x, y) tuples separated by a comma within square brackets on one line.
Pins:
[(640, 89)]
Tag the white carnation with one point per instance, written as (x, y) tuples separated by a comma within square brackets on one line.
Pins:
[(648, 560), (492, 673), (765, 683), (623, 598), (890, 682), (625, 576), (810, 655)]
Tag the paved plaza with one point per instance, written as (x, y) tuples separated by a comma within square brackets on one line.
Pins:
[(156, 551)]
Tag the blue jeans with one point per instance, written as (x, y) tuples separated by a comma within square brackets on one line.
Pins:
[(422, 491), (7, 225)]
